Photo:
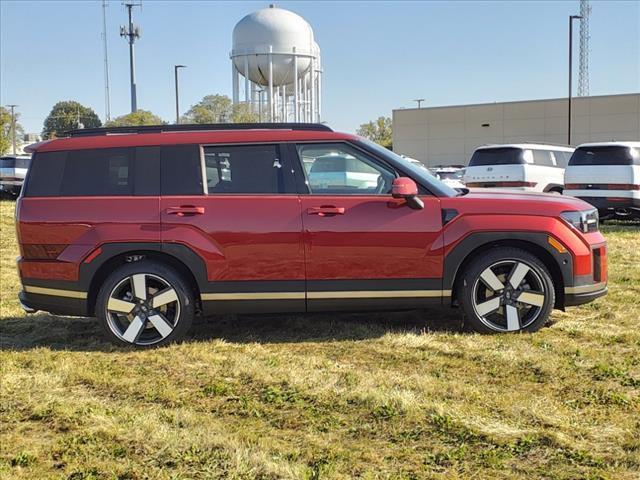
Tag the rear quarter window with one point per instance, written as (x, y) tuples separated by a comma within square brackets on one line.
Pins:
[(496, 156), (609, 155), (95, 172)]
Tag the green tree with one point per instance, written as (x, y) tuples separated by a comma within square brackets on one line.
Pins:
[(5, 130), (211, 109), (241, 113), (136, 119), (379, 131), (66, 115)]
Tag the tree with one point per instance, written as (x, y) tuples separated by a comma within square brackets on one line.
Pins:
[(242, 113), (5, 130), (211, 109), (379, 131), (136, 119), (66, 115)]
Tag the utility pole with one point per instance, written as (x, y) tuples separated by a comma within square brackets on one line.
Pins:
[(13, 127), (175, 72), (419, 101), (583, 72), (107, 96), (131, 32), (571, 19)]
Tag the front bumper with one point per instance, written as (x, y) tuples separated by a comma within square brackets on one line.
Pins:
[(584, 294)]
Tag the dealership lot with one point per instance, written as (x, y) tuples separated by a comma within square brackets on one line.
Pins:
[(336, 396)]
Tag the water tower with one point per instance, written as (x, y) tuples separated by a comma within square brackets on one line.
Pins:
[(277, 59)]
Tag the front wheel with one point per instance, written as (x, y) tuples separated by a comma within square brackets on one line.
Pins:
[(506, 290), (145, 304)]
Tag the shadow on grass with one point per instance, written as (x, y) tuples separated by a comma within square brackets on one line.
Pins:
[(84, 334)]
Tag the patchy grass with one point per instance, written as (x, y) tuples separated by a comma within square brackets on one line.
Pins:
[(398, 395)]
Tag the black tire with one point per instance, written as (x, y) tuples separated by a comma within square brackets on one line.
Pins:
[(478, 299), (155, 325)]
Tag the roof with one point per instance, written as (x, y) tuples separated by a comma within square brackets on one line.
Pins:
[(201, 137), (531, 146), (610, 144)]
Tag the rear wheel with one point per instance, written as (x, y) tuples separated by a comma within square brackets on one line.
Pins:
[(145, 304), (506, 290)]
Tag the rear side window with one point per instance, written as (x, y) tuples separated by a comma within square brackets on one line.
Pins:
[(496, 156), (22, 162), (97, 172), (609, 155), (543, 158), (244, 169)]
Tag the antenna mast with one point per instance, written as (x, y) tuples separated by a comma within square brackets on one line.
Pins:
[(583, 76), (107, 96), (132, 32)]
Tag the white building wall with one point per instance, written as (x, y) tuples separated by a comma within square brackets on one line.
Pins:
[(449, 135)]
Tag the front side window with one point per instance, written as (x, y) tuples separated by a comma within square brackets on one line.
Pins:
[(339, 169), (244, 169)]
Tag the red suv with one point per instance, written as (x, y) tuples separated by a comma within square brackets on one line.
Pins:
[(146, 227)]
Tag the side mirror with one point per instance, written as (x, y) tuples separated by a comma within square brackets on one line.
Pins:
[(407, 189)]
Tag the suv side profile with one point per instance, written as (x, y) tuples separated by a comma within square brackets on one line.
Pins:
[(528, 166), (146, 227)]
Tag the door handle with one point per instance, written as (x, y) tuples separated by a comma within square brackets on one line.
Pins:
[(325, 211), (185, 210)]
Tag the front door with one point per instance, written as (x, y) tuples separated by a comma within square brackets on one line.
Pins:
[(364, 249), (243, 220)]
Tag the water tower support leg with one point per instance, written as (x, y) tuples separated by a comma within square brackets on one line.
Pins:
[(234, 79), (271, 84), (295, 85), (247, 98)]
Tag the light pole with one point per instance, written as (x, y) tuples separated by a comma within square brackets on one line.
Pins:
[(13, 127), (175, 72), (419, 101), (571, 19)]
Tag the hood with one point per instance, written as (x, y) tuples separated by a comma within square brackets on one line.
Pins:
[(498, 201)]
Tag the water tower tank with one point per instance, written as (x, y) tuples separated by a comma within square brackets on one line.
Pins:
[(275, 51)]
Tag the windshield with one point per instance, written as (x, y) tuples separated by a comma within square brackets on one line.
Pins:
[(611, 155), (8, 162), (420, 174)]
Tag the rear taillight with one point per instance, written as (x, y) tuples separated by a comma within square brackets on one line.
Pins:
[(42, 252), (602, 186)]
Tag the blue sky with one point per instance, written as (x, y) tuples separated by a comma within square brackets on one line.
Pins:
[(377, 56)]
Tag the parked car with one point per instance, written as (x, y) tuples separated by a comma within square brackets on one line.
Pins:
[(606, 175), (143, 230), (13, 169), (452, 176), (415, 162), (529, 167)]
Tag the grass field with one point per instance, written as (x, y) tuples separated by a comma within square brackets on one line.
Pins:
[(400, 395)]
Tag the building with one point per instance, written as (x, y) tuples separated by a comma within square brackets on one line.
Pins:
[(448, 135)]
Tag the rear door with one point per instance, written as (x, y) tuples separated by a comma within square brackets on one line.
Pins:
[(236, 207), (364, 249)]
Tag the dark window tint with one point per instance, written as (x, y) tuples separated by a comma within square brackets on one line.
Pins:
[(542, 158), (610, 155), (23, 162), (98, 172), (244, 169), (147, 171), (8, 162), (496, 156), (45, 174), (109, 171), (181, 172)]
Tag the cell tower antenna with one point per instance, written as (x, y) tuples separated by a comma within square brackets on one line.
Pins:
[(107, 96), (583, 75), (132, 32)]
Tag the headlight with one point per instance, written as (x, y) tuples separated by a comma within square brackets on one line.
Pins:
[(585, 221)]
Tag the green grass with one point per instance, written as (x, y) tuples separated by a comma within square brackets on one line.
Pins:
[(400, 395)]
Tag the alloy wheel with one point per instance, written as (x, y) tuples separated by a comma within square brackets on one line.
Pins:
[(143, 309), (509, 295)]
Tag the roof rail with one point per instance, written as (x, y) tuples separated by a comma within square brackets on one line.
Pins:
[(82, 132)]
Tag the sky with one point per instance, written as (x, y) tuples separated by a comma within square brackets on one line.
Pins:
[(377, 56)]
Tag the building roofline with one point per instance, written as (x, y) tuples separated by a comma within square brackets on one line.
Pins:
[(514, 101)]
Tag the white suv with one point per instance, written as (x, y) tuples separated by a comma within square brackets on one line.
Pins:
[(13, 169), (607, 175), (525, 166)]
